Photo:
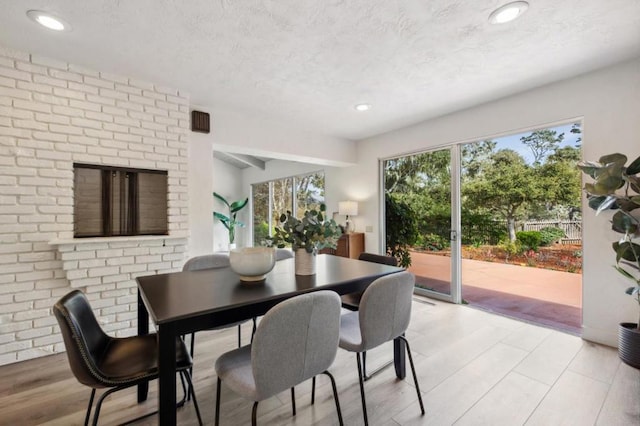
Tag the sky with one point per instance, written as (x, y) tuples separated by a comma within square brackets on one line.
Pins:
[(513, 141)]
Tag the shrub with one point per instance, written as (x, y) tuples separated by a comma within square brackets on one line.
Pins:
[(550, 235), (402, 229), (511, 248), (432, 242), (260, 232), (480, 229), (529, 240)]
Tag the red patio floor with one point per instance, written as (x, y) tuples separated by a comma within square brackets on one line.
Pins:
[(542, 296)]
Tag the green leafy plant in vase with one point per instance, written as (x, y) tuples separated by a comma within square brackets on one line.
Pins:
[(306, 235), (617, 187), (229, 221)]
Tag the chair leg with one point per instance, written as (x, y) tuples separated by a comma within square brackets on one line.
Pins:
[(335, 395), (253, 331), (293, 399), (364, 365), (180, 403), (193, 394), (413, 370), (361, 380), (239, 336), (88, 416), (254, 414), (193, 349), (185, 391), (218, 387), (96, 414), (313, 390)]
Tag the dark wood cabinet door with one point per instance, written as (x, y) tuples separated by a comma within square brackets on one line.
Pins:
[(350, 245)]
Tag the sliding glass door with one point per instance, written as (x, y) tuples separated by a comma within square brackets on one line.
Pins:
[(422, 219)]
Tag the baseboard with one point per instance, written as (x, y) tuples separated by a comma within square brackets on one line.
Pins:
[(598, 335)]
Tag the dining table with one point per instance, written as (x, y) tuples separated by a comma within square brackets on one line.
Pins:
[(180, 303)]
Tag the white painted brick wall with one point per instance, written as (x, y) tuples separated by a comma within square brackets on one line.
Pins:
[(53, 114)]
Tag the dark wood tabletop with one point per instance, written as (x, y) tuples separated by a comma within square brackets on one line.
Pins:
[(175, 296)]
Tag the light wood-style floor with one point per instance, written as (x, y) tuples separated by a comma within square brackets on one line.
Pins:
[(474, 368)]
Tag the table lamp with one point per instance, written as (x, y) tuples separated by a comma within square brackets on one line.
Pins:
[(348, 208)]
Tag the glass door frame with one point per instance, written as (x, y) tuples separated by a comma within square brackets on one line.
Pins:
[(455, 295)]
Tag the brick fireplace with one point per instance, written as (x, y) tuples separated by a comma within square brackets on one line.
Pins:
[(53, 114)]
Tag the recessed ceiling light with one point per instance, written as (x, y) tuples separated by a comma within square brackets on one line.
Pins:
[(508, 12), (363, 107), (48, 20)]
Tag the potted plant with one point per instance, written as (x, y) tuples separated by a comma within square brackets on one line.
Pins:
[(230, 222), (306, 236), (617, 187)]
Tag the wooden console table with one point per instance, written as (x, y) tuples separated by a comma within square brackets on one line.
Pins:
[(350, 245)]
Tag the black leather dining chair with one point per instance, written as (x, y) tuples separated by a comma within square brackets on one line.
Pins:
[(351, 301), (100, 361)]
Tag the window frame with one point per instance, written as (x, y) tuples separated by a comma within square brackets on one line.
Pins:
[(294, 197)]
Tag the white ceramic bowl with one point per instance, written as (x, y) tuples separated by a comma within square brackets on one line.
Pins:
[(252, 263)]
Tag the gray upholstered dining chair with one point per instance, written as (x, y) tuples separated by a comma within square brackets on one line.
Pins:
[(100, 361), (213, 261), (384, 314), (283, 253), (295, 341), (351, 302)]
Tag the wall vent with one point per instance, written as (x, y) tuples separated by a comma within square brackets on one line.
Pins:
[(200, 121)]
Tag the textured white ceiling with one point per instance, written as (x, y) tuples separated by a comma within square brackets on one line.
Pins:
[(310, 61)]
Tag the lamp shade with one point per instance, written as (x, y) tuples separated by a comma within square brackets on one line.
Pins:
[(348, 208)]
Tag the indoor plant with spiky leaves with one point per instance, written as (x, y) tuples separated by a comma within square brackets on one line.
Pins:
[(230, 222), (617, 187)]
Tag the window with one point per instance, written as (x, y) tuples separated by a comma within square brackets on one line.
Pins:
[(271, 199), (114, 201)]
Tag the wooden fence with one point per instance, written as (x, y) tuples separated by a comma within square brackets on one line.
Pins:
[(572, 229)]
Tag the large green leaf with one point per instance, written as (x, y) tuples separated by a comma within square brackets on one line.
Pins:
[(238, 205), (221, 198), (624, 273), (224, 219), (628, 205), (589, 167), (606, 204), (623, 223), (634, 183), (601, 188), (609, 178), (634, 167), (616, 158), (596, 201), (627, 251)]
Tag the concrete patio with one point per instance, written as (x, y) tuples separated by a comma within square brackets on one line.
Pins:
[(540, 296)]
